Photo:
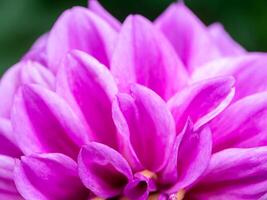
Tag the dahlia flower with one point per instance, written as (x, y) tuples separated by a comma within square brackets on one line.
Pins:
[(170, 109)]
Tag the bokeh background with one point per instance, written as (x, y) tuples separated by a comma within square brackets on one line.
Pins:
[(22, 21)]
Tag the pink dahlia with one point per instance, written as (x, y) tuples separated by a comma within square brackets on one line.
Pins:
[(169, 109)]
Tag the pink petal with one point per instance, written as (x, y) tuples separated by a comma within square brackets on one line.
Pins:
[(249, 71), (147, 58), (201, 101), (43, 122), (188, 35), (234, 174), (243, 124), (79, 28), (37, 52), (47, 177), (97, 8), (189, 163), (150, 126), (8, 145), (89, 88), (103, 170), (24, 72), (226, 45), (8, 190)]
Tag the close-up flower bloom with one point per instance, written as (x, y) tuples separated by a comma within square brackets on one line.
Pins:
[(169, 109)]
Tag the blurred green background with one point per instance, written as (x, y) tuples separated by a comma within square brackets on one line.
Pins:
[(22, 21)]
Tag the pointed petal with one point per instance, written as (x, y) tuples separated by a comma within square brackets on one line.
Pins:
[(8, 87), (147, 58), (234, 174), (89, 88), (201, 101), (8, 190), (7, 141), (37, 52), (103, 170), (145, 107), (48, 176), (79, 28), (189, 163), (24, 72), (43, 122), (188, 35), (226, 45), (243, 124), (97, 8), (251, 69)]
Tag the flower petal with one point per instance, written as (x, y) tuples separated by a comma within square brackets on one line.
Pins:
[(7, 141), (147, 58), (79, 28), (43, 122), (48, 176), (188, 35), (24, 72), (8, 190), (150, 126), (226, 45), (234, 174), (89, 88), (243, 124), (103, 170), (189, 163), (201, 101), (251, 68), (96, 7)]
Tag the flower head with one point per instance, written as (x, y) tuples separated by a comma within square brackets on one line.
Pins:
[(169, 109)]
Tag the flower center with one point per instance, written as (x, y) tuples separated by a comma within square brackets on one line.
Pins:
[(148, 174)]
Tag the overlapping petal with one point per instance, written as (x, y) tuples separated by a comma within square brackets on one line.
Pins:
[(234, 174), (243, 124), (249, 71), (201, 101), (48, 177), (89, 88), (7, 185), (43, 122), (79, 28), (188, 35), (150, 126), (143, 55), (103, 170), (7, 141)]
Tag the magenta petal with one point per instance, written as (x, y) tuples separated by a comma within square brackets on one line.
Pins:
[(188, 35), (251, 68), (8, 190), (38, 50), (24, 72), (147, 58), (201, 101), (243, 124), (48, 176), (103, 170), (89, 88), (43, 122), (150, 126), (79, 28), (226, 45), (192, 158), (7, 141), (234, 174), (96, 7)]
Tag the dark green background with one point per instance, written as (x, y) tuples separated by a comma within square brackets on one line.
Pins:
[(22, 21)]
